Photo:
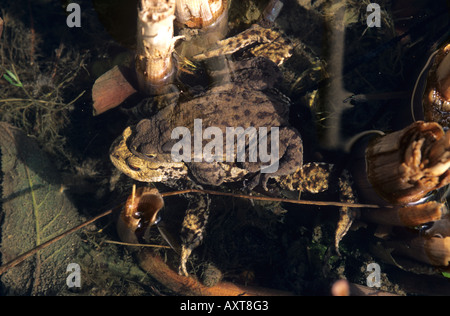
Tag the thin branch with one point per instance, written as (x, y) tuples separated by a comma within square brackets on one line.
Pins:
[(273, 199), (135, 245)]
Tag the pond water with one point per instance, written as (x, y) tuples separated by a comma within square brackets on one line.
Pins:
[(346, 68)]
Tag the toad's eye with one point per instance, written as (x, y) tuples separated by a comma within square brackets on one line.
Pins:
[(141, 153), (132, 167), (150, 156)]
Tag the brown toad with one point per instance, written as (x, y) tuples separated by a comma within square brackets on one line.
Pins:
[(238, 108), (245, 103)]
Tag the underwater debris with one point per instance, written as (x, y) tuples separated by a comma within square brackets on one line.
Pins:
[(405, 166), (104, 97), (139, 212), (434, 251), (408, 171), (34, 211), (182, 285), (155, 66), (155, 63), (200, 13)]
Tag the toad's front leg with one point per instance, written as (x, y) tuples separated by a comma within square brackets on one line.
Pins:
[(275, 47)]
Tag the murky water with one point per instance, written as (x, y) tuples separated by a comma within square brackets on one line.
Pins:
[(344, 78)]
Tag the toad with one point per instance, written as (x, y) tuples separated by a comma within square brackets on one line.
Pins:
[(144, 152), (244, 104)]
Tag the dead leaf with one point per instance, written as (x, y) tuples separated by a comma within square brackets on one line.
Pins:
[(33, 211)]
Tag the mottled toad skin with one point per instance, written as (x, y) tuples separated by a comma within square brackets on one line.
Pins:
[(270, 44), (143, 152)]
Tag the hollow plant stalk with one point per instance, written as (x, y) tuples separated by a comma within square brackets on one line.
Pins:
[(406, 165), (155, 66)]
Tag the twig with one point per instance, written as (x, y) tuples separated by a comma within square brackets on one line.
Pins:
[(273, 199), (135, 245)]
